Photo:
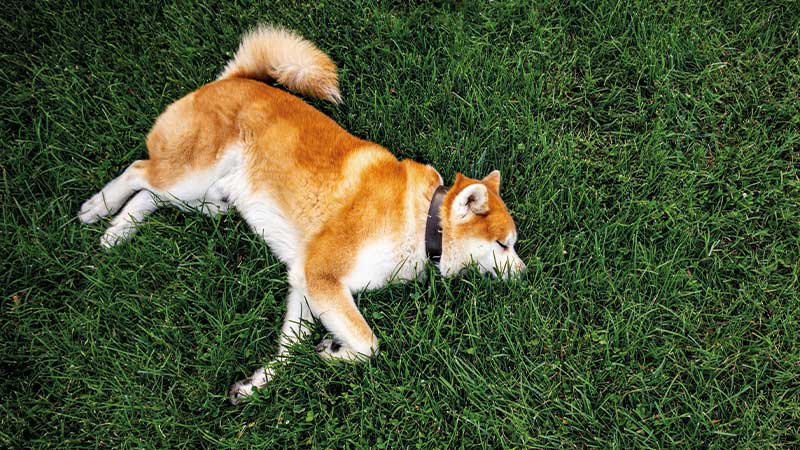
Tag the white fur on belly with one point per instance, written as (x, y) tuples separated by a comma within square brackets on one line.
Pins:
[(259, 209), (265, 218)]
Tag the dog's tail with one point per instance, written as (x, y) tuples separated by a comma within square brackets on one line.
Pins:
[(275, 53)]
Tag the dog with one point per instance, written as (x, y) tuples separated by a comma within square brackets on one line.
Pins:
[(344, 214)]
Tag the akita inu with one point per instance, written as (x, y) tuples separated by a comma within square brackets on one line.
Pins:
[(342, 213)]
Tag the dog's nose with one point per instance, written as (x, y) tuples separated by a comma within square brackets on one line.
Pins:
[(514, 270)]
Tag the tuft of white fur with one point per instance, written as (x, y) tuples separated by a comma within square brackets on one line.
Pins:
[(270, 52)]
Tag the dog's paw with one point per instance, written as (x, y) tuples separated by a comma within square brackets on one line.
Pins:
[(329, 349), (240, 390), (93, 209), (328, 345), (116, 234), (245, 388)]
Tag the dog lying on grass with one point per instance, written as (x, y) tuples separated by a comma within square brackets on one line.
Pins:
[(342, 213)]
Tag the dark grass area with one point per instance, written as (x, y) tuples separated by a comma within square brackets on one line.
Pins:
[(650, 156)]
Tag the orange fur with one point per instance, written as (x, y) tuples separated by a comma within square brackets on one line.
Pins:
[(332, 194), (337, 189), (269, 52)]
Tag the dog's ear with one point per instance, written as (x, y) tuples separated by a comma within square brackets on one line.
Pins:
[(493, 181), (473, 199)]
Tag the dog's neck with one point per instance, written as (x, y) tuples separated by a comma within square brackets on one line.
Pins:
[(433, 226)]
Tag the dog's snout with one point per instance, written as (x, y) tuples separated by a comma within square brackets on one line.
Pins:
[(512, 269)]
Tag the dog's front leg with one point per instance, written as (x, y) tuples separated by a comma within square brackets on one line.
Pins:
[(296, 325), (333, 305)]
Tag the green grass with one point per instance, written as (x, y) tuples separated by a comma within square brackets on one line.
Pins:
[(650, 153)]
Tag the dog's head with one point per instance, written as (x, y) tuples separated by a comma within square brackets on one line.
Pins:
[(477, 228)]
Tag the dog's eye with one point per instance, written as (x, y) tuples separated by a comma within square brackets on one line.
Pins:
[(503, 246)]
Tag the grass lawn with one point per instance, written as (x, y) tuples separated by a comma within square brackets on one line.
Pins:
[(650, 154)]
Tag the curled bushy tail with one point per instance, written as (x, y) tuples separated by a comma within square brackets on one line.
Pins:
[(269, 52)]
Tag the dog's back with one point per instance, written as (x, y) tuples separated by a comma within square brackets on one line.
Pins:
[(254, 137), (288, 167)]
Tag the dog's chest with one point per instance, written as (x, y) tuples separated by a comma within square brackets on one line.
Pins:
[(381, 261)]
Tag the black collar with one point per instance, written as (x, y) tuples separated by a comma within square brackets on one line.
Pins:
[(433, 226)]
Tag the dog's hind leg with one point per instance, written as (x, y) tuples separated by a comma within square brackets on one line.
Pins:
[(135, 180), (124, 224), (158, 181), (114, 194)]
